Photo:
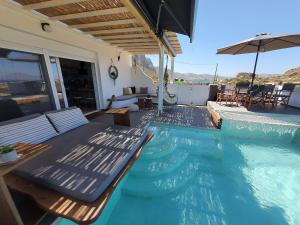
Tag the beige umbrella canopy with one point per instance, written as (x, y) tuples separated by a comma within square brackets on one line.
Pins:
[(261, 43)]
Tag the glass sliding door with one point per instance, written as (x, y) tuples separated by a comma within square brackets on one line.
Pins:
[(79, 84), (23, 84), (58, 80)]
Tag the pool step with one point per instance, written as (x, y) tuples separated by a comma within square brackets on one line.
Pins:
[(162, 185), (155, 151), (158, 141), (160, 166)]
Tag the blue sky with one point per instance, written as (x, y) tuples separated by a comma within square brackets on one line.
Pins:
[(223, 22)]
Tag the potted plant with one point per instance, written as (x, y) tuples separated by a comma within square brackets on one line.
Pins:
[(7, 154)]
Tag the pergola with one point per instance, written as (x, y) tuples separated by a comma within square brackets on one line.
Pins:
[(116, 22), (136, 26)]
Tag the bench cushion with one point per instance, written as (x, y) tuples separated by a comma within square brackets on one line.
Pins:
[(34, 130), (126, 97), (83, 162), (68, 119)]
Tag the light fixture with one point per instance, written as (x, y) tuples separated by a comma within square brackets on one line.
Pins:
[(46, 27)]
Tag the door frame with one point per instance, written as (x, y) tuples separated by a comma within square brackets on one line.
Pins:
[(61, 80)]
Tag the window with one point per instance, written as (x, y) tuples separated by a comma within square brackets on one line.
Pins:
[(23, 88)]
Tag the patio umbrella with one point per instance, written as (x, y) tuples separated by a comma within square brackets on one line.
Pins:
[(261, 43)]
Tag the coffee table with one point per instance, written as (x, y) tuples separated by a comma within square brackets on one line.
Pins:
[(121, 116)]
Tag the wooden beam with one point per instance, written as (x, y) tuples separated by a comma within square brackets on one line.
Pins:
[(103, 24), (48, 4), (142, 50), (91, 13), (120, 30), (139, 17), (140, 40), (172, 38), (136, 44), (141, 47), (144, 53), (124, 36)]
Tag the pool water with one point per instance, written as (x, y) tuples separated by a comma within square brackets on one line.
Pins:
[(188, 176)]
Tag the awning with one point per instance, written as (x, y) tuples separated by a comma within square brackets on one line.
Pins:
[(114, 22), (173, 15)]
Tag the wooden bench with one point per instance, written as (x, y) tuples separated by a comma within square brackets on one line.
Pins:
[(121, 116)]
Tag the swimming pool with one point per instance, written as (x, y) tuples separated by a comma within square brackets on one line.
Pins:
[(191, 176)]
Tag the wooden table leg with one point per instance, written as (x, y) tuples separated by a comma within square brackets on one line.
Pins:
[(9, 214)]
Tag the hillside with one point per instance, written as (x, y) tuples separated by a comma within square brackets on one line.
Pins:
[(290, 76)]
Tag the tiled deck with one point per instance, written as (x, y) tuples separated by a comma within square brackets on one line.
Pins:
[(189, 116), (277, 115)]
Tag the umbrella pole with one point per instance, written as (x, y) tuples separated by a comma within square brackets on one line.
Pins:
[(254, 70)]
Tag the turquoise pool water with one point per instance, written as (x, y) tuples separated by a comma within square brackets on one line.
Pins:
[(206, 177)]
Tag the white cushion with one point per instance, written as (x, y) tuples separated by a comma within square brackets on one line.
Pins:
[(68, 119), (32, 131), (133, 108)]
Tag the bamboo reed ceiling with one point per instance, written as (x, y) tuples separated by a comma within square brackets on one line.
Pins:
[(108, 20)]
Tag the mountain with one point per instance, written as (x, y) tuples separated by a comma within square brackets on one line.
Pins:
[(290, 76), (196, 78)]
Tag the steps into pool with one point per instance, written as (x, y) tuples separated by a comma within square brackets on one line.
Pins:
[(161, 185), (162, 165)]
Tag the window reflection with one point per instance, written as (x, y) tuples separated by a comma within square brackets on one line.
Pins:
[(23, 88), (58, 84)]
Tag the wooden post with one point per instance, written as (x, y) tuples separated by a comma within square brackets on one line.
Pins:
[(9, 214)]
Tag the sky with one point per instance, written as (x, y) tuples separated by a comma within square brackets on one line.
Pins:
[(223, 22)]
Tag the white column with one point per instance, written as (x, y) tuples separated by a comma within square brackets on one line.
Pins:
[(172, 69), (161, 79)]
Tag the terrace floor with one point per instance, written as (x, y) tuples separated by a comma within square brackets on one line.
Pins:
[(189, 116), (279, 109), (279, 115)]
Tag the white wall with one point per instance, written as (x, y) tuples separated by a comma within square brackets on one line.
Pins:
[(190, 94), (138, 79), (21, 30), (295, 98)]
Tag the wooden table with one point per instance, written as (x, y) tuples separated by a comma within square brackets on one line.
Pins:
[(9, 214), (148, 103), (121, 116)]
